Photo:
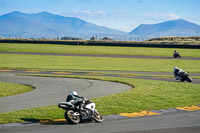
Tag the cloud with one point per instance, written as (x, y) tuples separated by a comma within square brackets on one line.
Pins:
[(120, 20), (157, 17), (136, 20), (86, 14), (172, 16)]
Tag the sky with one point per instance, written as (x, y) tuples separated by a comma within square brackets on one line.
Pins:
[(124, 15)]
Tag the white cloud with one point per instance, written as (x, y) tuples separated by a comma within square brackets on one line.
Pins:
[(86, 14), (172, 16), (155, 18), (120, 20)]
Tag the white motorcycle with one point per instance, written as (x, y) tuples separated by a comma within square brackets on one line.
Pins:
[(74, 115), (182, 75)]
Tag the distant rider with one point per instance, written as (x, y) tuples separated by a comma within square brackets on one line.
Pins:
[(175, 53)]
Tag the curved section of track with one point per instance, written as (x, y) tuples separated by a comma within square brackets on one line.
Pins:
[(50, 91)]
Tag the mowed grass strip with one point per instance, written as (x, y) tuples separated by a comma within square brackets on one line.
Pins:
[(14, 61), (9, 89), (146, 95), (109, 50)]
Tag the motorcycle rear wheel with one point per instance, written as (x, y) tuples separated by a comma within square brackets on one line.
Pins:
[(71, 118), (98, 117)]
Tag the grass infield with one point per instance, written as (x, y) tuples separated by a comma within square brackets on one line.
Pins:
[(14, 61), (8, 89), (146, 95), (108, 50)]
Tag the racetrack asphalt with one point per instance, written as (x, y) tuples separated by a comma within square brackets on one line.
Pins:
[(51, 91), (102, 55), (125, 74), (54, 90), (178, 122)]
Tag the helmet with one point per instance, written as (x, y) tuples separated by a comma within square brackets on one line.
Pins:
[(74, 93), (175, 68)]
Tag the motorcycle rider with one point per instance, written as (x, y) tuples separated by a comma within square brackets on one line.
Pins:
[(175, 52), (177, 73), (77, 100)]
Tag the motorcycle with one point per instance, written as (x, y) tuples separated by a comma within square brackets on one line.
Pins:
[(176, 55), (184, 76), (74, 115)]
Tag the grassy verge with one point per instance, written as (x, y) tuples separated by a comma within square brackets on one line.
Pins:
[(49, 48), (146, 95), (12, 61), (8, 89), (133, 75)]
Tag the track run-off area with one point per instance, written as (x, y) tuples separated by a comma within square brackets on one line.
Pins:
[(52, 90)]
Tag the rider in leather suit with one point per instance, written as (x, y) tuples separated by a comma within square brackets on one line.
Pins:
[(177, 73), (77, 100)]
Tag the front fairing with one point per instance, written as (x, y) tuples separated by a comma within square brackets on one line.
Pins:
[(90, 106)]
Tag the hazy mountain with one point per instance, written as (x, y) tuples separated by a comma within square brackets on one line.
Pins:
[(178, 27), (45, 24)]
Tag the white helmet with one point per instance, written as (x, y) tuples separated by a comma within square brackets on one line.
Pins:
[(74, 93), (175, 68)]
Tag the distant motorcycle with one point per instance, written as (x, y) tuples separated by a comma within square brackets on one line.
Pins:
[(181, 75), (176, 55), (74, 116)]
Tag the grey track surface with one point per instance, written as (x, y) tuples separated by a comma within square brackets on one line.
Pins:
[(182, 122), (101, 55), (50, 91), (173, 122), (124, 74), (55, 89)]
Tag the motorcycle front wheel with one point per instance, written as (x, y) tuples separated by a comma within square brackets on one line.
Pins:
[(71, 117), (189, 79), (98, 117)]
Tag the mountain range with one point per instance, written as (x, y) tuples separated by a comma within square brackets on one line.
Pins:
[(178, 27), (45, 24), (49, 25)]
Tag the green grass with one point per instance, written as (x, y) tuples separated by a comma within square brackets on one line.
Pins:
[(8, 89), (12, 61), (146, 95), (52, 48)]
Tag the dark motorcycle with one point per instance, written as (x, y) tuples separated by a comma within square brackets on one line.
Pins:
[(74, 116), (176, 55)]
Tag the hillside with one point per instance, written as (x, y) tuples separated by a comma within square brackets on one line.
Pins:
[(45, 24), (178, 27)]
